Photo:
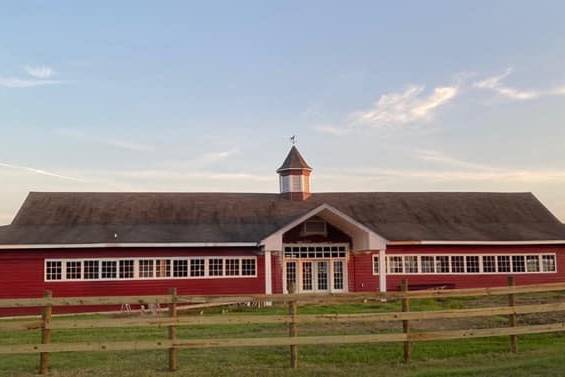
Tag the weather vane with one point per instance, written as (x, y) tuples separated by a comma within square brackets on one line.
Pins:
[(293, 139)]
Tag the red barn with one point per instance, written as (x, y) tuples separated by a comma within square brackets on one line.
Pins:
[(92, 244)]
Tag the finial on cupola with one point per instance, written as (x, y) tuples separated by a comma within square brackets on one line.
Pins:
[(294, 175)]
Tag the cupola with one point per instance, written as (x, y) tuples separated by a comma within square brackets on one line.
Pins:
[(294, 176)]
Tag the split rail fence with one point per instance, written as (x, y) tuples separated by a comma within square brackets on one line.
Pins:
[(172, 344)]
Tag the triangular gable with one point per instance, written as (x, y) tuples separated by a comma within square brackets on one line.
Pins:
[(363, 237)]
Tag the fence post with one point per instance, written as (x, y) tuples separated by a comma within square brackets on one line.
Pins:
[(513, 316), (292, 327), (405, 323), (173, 330), (45, 333)]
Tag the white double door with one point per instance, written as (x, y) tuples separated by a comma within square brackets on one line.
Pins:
[(310, 276)]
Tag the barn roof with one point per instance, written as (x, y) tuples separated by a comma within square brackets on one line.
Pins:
[(82, 218)]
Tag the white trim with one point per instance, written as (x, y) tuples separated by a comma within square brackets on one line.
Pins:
[(154, 277), (133, 244), (382, 270), (464, 256), (268, 273), (299, 261), (274, 240), (541, 242)]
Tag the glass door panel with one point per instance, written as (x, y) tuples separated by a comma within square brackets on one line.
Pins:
[(338, 275), (291, 286), (307, 276), (322, 276)]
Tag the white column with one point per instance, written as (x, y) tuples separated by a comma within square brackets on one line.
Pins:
[(382, 270), (268, 273)]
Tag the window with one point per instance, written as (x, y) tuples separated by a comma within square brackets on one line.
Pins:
[(503, 263), (91, 269), (126, 269), (532, 263), (457, 264), (473, 264), (411, 265), (427, 264), (470, 264), (74, 270), (248, 267), (548, 263), (216, 267), (197, 267), (442, 264), (296, 183), (180, 268), (489, 263), (146, 268), (162, 268), (375, 264), (232, 267), (518, 263), (316, 251), (133, 268), (109, 269), (396, 265), (54, 270), (315, 227)]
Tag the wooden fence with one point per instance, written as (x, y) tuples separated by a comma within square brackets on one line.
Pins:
[(172, 321)]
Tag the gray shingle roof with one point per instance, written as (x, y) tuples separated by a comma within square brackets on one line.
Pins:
[(53, 218)]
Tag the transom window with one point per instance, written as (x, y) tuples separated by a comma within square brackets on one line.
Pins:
[(149, 268), (315, 251), (467, 264)]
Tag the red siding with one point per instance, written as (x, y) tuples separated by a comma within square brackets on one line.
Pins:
[(22, 274)]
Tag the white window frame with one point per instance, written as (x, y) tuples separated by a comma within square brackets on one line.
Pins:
[(481, 266), (136, 265)]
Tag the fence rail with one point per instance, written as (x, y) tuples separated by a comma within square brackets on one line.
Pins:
[(408, 335)]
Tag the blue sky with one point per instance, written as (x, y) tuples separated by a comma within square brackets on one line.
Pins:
[(203, 96)]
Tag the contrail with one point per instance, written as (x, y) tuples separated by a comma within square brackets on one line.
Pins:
[(39, 171)]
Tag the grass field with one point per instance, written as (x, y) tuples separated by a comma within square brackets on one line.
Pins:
[(539, 355)]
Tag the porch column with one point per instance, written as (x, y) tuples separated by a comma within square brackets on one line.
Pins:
[(268, 273), (382, 270)]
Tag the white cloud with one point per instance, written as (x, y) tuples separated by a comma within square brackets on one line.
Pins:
[(40, 72), (39, 76), (495, 84), (15, 82), (39, 171), (410, 106)]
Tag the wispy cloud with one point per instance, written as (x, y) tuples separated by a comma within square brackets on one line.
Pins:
[(442, 158), (40, 171), (15, 82), (413, 105), (112, 142), (409, 106), (495, 83), (38, 76), (40, 72)]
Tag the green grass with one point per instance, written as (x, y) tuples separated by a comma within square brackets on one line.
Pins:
[(539, 355)]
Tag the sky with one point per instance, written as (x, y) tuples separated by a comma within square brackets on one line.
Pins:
[(203, 96)]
